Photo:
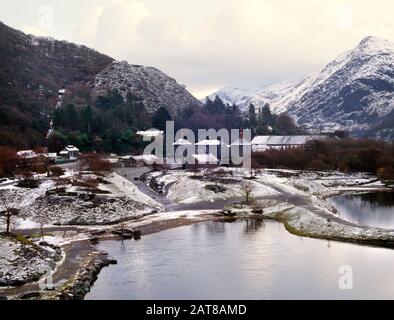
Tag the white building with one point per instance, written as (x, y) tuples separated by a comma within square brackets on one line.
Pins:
[(70, 152), (262, 143), (151, 133), (205, 159), (183, 149), (27, 154), (148, 159)]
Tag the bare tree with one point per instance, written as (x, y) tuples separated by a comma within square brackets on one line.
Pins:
[(8, 209), (254, 169), (247, 191), (42, 217)]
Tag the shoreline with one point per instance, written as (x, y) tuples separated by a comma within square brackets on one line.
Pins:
[(83, 261)]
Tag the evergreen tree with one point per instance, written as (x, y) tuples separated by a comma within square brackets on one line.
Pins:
[(160, 118), (252, 118)]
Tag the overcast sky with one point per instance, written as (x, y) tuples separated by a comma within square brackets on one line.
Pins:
[(207, 44)]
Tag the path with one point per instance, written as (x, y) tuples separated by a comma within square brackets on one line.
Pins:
[(169, 206)]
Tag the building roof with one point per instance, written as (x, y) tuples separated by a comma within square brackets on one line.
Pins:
[(127, 157), (111, 160), (26, 154), (182, 142), (150, 133), (205, 158), (51, 155), (284, 140), (71, 148), (241, 142), (209, 142), (147, 158)]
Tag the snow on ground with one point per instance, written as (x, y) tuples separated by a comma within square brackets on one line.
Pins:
[(122, 186), (309, 224), (24, 262), (117, 199), (159, 217), (188, 188)]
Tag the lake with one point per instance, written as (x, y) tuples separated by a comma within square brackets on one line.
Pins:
[(246, 259), (366, 209)]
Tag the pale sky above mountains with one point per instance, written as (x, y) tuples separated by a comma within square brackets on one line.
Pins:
[(208, 44)]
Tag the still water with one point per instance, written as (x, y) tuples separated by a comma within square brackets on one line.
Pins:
[(366, 209), (241, 260)]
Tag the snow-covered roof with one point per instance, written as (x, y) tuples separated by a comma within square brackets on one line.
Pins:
[(181, 142), (205, 158), (147, 158), (150, 133), (50, 155), (284, 140), (71, 148), (127, 157), (241, 142), (209, 142), (62, 91), (111, 160), (26, 154)]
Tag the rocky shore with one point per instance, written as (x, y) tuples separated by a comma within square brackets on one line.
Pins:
[(295, 199), (77, 288)]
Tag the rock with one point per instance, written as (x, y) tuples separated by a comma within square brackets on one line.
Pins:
[(258, 211), (127, 235), (94, 239), (227, 213), (98, 233), (138, 233), (30, 295)]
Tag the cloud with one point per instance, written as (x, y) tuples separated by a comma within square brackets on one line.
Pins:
[(206, 44)]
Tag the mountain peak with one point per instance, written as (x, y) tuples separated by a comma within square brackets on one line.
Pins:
[(373, 45)]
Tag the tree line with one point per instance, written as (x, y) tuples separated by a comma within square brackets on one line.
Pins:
[(348, 155), (108, 123)]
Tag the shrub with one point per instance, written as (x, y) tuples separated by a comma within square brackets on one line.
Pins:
[(93, 162), (8, 162), (386, 173), (56, 171)]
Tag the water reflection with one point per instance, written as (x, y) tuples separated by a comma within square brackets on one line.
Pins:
[(241, 260), (367, 209), (251, 226)]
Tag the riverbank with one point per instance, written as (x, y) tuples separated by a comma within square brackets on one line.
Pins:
[(296, 199)]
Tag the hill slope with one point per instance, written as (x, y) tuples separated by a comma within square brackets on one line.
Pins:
[(32, 70), (355, 91), (244, 95), (153, 87)]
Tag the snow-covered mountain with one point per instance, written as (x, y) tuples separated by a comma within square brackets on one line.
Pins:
[(353, 92), (259, 95), (33, 69), (153, 87)]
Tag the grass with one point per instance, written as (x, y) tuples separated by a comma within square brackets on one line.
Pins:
[(16, 237)]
